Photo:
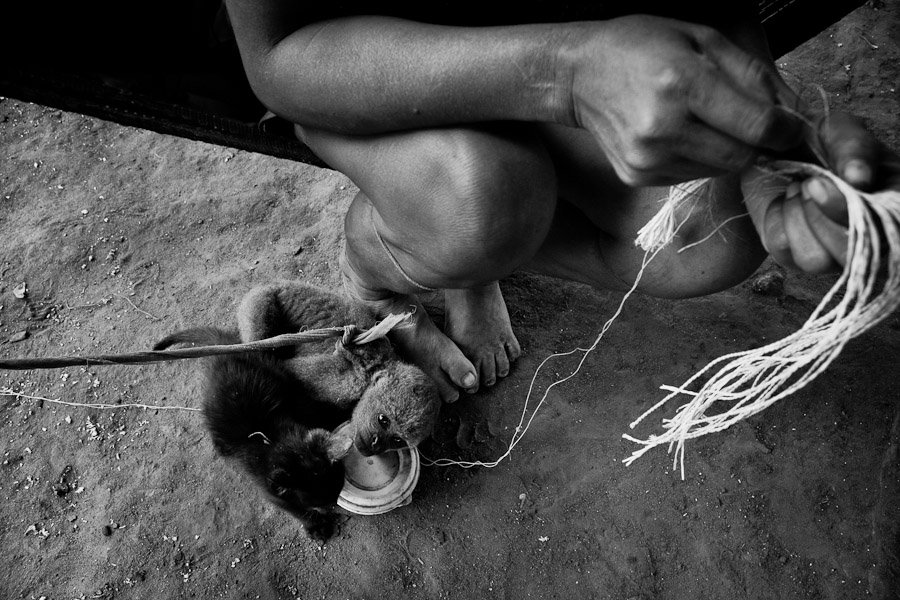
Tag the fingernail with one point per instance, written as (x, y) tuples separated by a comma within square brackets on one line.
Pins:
[(857, 172), (468, 380)]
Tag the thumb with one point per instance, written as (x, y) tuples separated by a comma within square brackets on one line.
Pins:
[(852, 151)]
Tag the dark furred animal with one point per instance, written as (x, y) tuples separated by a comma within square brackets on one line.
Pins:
[(258, 413), (395, 404)]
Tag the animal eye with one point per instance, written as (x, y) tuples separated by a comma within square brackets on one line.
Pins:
[(384, 421), (398, 441)]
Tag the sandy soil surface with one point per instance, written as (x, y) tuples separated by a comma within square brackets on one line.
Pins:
[(123, 235)]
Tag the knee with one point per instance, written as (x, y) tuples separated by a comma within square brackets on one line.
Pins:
[(717, 269), (489, 197), (716, 263), (717, 248)]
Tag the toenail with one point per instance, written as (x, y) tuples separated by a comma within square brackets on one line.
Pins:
[(468, 380), (489, 383)]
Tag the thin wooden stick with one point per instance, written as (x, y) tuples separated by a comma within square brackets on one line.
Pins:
[(151, 356)]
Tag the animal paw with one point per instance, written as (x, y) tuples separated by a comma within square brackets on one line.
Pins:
[(322, 526)]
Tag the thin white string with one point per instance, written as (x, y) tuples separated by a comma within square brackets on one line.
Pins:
[(755, 379), (519, 432), (100, 405)]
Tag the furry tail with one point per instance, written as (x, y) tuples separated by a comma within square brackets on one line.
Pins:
[(202, 336)]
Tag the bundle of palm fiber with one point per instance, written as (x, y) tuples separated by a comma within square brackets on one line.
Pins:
[(867, 291)]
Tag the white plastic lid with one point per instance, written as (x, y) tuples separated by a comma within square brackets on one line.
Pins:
[(377, 484)]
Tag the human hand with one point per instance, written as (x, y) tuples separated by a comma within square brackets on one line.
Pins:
[(671, 101), (805, 226)]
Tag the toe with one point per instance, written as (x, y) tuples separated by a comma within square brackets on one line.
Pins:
[(501, 360), (447, 390), (487, 368), (459, 370), (513, 349)]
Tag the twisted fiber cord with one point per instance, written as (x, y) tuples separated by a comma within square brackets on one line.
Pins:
[(755, 379)]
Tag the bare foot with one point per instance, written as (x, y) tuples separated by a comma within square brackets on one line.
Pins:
[(477, 320), (423, 343)]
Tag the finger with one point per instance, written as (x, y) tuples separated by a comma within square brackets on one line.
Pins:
[(703, 145), (727, 98), (760, 124), (774, 237), (673, 170), (808, 254), (828, 198), (831, 236), (760, 190), (755, 75), (852, 151)]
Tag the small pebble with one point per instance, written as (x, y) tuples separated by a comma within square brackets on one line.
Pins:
[(107, 530), (770, 283)]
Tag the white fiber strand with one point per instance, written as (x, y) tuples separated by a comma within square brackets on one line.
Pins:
[(660, 230), (755, 379)]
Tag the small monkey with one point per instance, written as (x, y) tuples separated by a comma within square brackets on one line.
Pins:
[(396, 403), (256, 412), (275, 411)]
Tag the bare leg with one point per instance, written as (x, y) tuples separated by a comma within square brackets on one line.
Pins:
[(592, 237), (371, 277), (452, 209)]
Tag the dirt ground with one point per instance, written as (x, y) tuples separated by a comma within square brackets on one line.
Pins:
[(122, 236)]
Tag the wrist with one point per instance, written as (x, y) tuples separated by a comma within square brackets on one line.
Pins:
[(554, 68), (570, 51)]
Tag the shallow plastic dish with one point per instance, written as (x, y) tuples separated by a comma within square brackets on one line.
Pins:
[(377, 484)]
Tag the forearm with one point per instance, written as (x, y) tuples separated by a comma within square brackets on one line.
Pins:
[(371, 74)]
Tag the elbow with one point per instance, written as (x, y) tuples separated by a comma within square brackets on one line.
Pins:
[(277, 87), (262, 81)]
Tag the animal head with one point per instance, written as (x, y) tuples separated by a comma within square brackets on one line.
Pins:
[(398, 409), (305, 469)]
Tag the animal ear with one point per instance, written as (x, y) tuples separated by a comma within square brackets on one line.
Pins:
[(338, 446)]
